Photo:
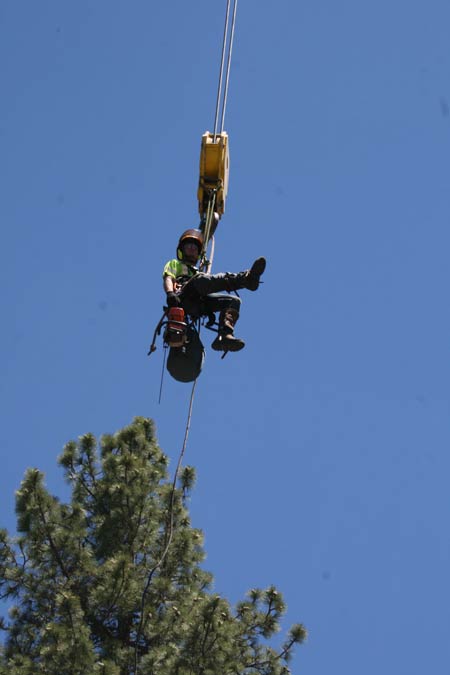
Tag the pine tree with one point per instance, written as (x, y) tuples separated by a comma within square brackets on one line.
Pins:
[(111, 583)]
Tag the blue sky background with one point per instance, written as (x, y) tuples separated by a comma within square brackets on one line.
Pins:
[(322, 449)]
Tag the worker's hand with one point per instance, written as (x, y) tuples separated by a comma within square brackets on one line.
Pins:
[(172, 299)]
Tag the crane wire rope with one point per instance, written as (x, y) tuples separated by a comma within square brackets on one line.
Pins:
[(222, 100), (222, 62), (227, 78), (168, 533)]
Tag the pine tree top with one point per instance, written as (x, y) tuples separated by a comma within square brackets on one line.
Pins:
[(111, 582)]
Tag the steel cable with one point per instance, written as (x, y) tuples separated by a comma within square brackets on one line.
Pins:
[(222, 61), (221, 102), (227, 78)]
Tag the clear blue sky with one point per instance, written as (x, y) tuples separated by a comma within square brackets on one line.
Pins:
[(322, 449)]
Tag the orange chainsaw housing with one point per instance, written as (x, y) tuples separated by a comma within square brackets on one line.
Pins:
[(176, 329)]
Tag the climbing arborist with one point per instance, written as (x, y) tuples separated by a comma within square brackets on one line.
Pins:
[(198, 293)]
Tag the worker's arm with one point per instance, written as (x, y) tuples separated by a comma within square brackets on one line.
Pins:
[(168, 282), (170, 287)]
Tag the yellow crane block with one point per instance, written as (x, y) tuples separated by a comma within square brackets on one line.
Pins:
[(214, 171)]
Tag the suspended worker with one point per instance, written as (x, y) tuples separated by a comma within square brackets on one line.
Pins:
[(199, 293)]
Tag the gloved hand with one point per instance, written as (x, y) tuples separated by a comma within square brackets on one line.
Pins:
[(172, 299)]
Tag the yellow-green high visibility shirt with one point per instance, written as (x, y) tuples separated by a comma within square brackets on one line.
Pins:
[(176, 269)]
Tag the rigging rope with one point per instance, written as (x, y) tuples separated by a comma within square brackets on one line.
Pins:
[(207, 264), (168, 535), (211, 256), (162, 373)]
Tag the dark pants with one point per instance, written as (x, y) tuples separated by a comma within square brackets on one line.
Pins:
[(200, 296)]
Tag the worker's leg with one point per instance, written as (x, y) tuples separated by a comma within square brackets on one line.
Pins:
[(204, 284), (228, 308)]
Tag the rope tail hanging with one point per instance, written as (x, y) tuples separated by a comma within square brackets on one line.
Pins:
[(168, 534)]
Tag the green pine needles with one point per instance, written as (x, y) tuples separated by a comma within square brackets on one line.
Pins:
[(111, 582)]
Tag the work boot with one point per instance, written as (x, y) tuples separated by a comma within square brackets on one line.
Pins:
[(251, 278), (225, 341)]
